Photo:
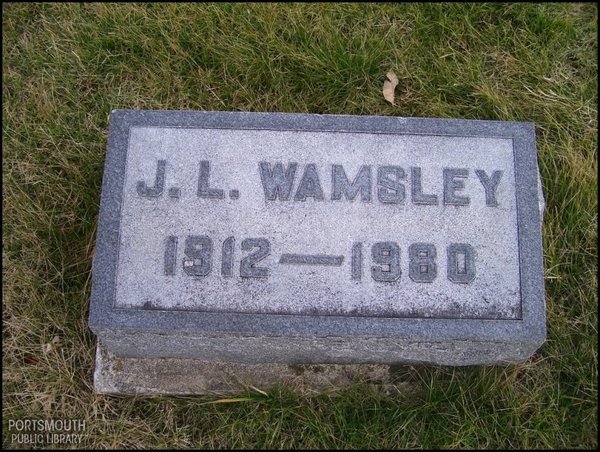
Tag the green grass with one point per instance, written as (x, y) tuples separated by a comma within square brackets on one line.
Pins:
[(66, 66)]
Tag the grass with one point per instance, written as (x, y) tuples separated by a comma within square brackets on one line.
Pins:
[(66, 66)]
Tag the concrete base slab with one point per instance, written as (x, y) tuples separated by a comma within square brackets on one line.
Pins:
[(185, 376)]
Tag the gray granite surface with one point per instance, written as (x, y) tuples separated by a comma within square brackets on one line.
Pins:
[(267, 237)]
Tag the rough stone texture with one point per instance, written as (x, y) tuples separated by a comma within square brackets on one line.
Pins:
[(178, 376), (317, 350), (144, 304), (316, 226)]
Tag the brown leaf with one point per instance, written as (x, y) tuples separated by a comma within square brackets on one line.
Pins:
[(389, 86), (393, 78), (52, 345)]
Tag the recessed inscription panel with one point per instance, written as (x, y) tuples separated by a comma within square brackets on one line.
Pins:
[(321, 223)]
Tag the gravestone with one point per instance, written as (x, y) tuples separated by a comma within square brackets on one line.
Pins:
[(298, 239)]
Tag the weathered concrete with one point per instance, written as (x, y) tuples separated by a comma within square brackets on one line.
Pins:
[(288, 238), (186, 376)]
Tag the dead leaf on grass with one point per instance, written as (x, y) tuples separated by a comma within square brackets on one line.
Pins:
[(389, 86), (52, 345)]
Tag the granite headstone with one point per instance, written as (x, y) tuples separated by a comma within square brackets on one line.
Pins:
[(298, 238)]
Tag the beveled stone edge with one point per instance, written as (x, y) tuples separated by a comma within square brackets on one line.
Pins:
[(104, 316)]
